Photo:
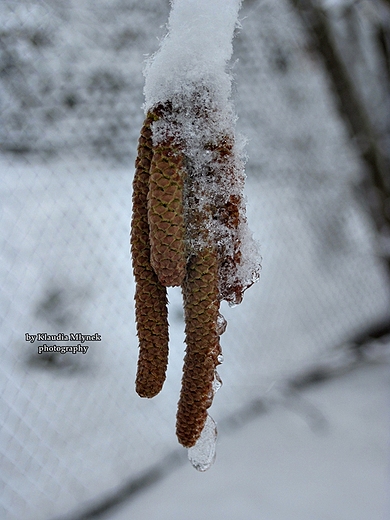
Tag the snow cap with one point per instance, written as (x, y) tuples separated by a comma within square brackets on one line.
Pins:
[(196, 49)]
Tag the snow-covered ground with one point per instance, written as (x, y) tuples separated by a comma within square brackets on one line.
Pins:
[(281, 467), (74, 427)]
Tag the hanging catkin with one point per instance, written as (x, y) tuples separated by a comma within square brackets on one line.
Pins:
[(187, 228), (150, 294), (165, 213), (201, 307), (229, 211)]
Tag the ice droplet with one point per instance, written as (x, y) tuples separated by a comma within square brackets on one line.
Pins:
[(217, 383), (220, 358), (202, 455), (221, 324)]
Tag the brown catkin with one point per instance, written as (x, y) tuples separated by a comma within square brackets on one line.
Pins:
[(150, 295), (230, 213), (165, 213), (201, 305)]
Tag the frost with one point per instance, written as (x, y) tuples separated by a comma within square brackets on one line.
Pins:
[(202, 455)]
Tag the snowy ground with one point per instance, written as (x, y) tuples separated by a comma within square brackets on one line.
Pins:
[(74, 428), (284, 466)]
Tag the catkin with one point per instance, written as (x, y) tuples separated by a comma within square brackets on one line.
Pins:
[(230, 213), (201, 305), (165, 213), (185, 231), (150, 295)]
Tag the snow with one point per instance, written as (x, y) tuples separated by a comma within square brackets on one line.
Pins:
[(195, 50), (188, 81), (280, 467)]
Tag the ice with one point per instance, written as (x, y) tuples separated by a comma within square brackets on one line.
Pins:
[(217, 383), (221, 324), (202, 455)]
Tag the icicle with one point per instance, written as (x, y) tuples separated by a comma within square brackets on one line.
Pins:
[(202, 455)]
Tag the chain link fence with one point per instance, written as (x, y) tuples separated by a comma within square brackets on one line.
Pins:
[(70, 112)]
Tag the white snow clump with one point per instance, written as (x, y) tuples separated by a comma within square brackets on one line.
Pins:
[(195, 50)]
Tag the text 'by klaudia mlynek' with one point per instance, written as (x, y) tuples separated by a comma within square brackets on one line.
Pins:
[(60, 337)]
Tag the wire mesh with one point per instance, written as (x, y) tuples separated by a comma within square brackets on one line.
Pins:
[(71, 94)]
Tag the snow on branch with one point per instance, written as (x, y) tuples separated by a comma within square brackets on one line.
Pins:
[(189, 226), (195, 50)]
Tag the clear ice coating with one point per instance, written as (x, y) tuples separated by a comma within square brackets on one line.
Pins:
[(221, 324), (217, 382), (202, 455)]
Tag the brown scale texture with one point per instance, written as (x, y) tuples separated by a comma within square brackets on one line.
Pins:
[(201, 304), (150, 295), (165, 213)]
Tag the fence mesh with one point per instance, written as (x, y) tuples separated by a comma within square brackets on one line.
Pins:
[(71, 94)]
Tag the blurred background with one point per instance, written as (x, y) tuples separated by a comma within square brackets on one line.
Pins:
[(303, 414)]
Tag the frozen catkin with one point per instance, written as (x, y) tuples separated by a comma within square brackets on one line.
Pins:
[(229, 215), (189, 229), (150, 295), (165, 214), (189, 221), (201, 308)]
